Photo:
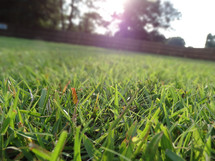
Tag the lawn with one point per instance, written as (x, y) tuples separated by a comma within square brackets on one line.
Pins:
[(68, 102)]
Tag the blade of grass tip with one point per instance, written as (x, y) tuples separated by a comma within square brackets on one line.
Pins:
[(5, 126), (95, 106), (143, 137), (207, 151), (85, 100), (127, 146), (81, 116), (40, 151), (123, 113), (75, 101), (166, 115), (63, 112), (19, 116), (146, 131), (66, 86), (109, 144), (30, 113), (43, 100), (166, 141), (77, 145), (12, 113), (59, 147), (197, 144), (174, 157), (74, 96), (116, 101), (152, 147), (115, 153), (90, 148)]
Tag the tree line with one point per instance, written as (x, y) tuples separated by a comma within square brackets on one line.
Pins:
[(141, 19)]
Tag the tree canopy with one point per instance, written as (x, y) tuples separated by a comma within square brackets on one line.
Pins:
[(31, 13), (142, 19), (210, 41), (176, 41)]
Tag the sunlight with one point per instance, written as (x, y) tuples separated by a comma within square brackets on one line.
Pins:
[(115, 5), (112, 6), (106, 10)]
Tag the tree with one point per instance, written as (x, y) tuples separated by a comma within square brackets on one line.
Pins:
[(89, 22), (31, 13), (74, 13), (176, 41), (142, 19), (91, 17), (62, 14), (210, 41)]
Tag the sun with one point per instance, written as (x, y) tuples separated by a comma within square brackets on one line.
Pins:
[(111, 6), (115, 5)]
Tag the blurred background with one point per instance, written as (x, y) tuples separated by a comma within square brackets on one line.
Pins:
[(181, 23)]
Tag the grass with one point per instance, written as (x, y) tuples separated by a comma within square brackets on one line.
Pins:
[(66, 102)]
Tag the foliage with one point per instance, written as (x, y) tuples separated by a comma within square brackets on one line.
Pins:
[(89, 22), (142, 18), (210, 41), (50, 14), (176, 41), (31, 13), (66, 102)]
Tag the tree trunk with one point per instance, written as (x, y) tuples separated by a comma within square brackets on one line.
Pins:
[(70, 18), (62, 15)]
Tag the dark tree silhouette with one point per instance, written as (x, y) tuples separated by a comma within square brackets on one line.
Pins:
[(142, 19), (210, 41), (176, 41), (89, 22), (31, 13)]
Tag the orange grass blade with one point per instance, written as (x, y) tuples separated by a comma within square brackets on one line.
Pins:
[(64, 89), (74, 96)]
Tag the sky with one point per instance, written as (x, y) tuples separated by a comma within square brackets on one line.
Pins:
[(196, 23)]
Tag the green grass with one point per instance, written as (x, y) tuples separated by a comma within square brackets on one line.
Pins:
[(130, 106)]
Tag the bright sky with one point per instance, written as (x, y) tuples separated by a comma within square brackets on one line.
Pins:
[(196, 22)]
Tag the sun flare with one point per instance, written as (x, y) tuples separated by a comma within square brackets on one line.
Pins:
[(112, 6)]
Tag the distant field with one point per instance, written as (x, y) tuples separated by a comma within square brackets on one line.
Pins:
[(66, 102)]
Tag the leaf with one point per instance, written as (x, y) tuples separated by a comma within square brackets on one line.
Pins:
[(66, 114), (40, 151), (109, 144), (173, 156), (30, 113), (77, 145), (143, 136), (113, 152), (127, 146), (59, 147), (166, 141), (152, 147), (198, 143), (5, 125), (207, 150), (91, 150), (66, 86), (74, 96)]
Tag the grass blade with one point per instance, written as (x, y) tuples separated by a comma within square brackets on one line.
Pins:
[(174, 157), (59, 147)]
